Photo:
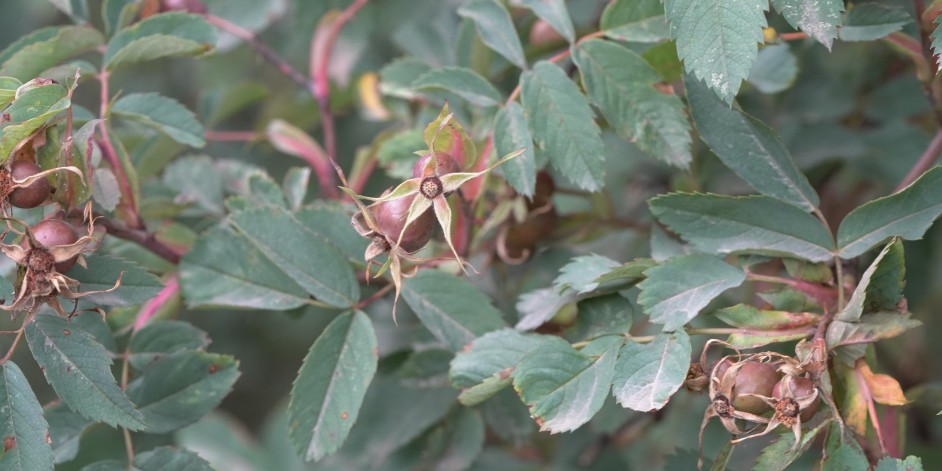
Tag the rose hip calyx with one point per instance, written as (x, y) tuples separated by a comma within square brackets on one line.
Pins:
[(431, 187)]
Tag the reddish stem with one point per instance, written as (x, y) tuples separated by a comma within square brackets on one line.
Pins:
[(793, 36), (111, 155), (150, 308), (558, 57), (231, 136), (924, 163)]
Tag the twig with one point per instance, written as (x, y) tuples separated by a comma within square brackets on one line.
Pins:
[(273, 58), (924, 163), (16, 342), (375, 296), (793, 36), (231, 136), (111, 155), (143, 238), (320, 61)]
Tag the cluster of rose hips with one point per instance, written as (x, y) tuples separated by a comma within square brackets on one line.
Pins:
[(49, 248), (749, 391)]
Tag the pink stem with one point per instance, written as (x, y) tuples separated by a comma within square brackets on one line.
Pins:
[(150, 308)]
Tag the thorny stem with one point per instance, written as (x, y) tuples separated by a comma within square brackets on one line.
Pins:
[(111, 155), (320, 60)]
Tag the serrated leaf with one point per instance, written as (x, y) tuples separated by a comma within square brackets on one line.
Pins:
[(648, 374), (635, 21), (622, 85), (511, 134), (561, 123), (166, 35), (782, 452), (775, 69), (563, 387), (461, 81), (757, 224), (79, 370), (717, 39), (540, 305), (674, 292), (911, 463), (295, 186), (162, 114), (893, 266), (158, 339), (580, 273), (179, 389), (749, 147), (869, 329), (197, 180), (107, 193), (46, 48), (397, 77), (872, 21), (819, 19), (65, 430), (263, 190), (311, 261), (452, 309), (553, 12), (166, 458), (492, 353), (31, 110), (137, 284), (907, 214), (626, 275), (329, 390), (22, 424), (495, 28), (332, 222), (842, 452), (602, 315)]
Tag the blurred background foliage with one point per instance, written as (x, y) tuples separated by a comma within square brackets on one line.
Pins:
[(855, 120)]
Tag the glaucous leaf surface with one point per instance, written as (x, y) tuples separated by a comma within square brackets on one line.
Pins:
[(22, 425), (167, 35), (66, 428), (461, 81), (496, 29), (492, 353), (648, 374), (166, 458), (161, 114), (870, 21), (510, 134), (137, 284), (635, 21), (32, 54), (819, 19), (158, 339)]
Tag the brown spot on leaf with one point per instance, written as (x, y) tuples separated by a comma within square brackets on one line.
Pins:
[(68, 369), (213, 368), (664, 88), (539, 421), (9, 443), (344, 415), (505, 373), (66, 332)]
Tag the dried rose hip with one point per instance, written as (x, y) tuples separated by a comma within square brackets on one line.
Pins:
[(30, 196), (800, 387), (55, 232), (753, 377)]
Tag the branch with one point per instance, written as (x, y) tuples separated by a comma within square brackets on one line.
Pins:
[(321, 49), (111, 155), (924, 163), (140, 237), (558, 57)]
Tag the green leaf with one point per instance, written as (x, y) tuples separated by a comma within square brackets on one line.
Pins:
[(79, 370), (887, 272), (782, 452), (717, 39), (8, 87), (486, 389), (907, 214), (263, 190), (492, 353), (553, 12), (562, 124), (329, 390), (622, 85), (31, 110), (166, 35), (869, 329), (162, 114), (452, 309), (77, 10), (819, 20), (332, 222), (167, 457), (675, 291), (178, 389), (511, 134), (911, 463), (626, 275), (22, 425), (749, 317), (397, 77), (137, 285), (295, 186), (842, 452), (458, 442), (775, 70), (45, 48), (540, 305), (313, 263), (461, 81), (196, 180), (107, 193), (496, 29), (758, 224), (580, 273), (602, 315), (116, 14), (647, 375), (107, 465), (225, 268), (563, 387), (158, 339), (872, 21), (66, 428), (635, 21), (749, 147)]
